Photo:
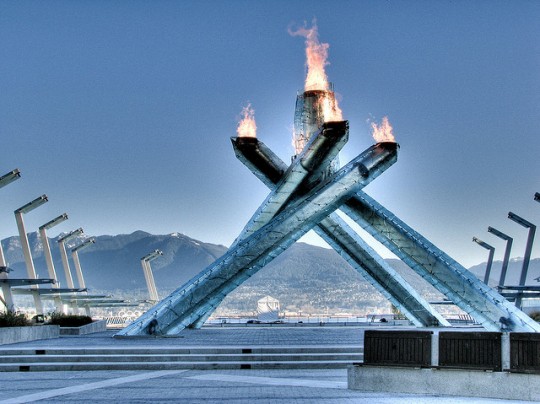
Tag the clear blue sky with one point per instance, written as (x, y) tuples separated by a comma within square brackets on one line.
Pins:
[(121, 111)]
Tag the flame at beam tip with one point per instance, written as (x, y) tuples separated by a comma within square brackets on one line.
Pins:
[(247, 126), (382, 132)]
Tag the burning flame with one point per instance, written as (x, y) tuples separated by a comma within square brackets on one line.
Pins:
[(316, 58), (316, 78), (383, 132), (247, 126)]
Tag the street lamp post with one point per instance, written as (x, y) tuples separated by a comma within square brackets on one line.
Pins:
[(65, 263), (509, 240), (490, 257), (528, 250), (78, 269), (6, 289), (148, 275), (62, 244), (48, 256), (537, 196), (26, 245)]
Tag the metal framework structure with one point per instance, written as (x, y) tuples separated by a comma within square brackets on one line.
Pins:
[(189, 302), (304, 196), (338, 234)]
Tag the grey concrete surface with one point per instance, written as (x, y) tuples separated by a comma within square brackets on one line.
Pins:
[(10, 334), (208, 386)]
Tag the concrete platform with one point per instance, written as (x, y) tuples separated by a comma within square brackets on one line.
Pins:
[(198, 386)]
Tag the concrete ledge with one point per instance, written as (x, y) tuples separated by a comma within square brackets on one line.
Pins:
[(11, 335), (451, 382), (96, 326)]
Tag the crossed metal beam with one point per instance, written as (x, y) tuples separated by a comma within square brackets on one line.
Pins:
[(305, 196), (248, 255)]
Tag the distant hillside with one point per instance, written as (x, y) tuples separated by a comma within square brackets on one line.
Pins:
[(113, 262), (304, 278), (513, 272)]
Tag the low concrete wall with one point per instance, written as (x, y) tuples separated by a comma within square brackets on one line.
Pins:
[(11, 335), (452, 382), (96, 326)]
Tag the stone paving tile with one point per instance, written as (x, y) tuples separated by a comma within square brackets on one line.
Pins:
[(212, 336), (205, 386), (182, 387)]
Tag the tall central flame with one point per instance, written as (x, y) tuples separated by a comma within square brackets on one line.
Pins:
[(316, 58), (318, 103), (247, 126)]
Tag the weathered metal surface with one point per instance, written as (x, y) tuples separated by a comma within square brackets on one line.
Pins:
[(351, 247), (190, 301), (459, 285)]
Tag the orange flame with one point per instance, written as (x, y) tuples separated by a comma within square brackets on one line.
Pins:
[(331, 110), (247, 126), (383, 132), (316, 58)]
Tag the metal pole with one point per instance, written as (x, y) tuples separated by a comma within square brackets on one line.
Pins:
[(30, 269), (6, 289), (65, 260), (506, 259), (48, 255), (490, 257), (528, 250)]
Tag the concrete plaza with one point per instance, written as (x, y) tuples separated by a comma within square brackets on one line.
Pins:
[(198, 386)]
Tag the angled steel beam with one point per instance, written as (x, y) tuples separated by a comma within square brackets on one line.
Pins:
[(338, 234), (78, 268), (47, 252), (528, 249), (148, 275), (7, 299), (65, 262), (190, 301), (509, 240), (321, 148), (487, 306), (25, 245), (490, 257)]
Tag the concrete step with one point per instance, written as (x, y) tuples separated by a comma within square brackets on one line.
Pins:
[(158, 358), (200, 350), (70, 366), (353, 357)]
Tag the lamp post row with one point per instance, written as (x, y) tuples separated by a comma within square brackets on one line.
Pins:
[(509, 240), (7, 298)]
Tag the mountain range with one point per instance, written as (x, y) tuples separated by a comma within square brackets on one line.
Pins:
[(304, 277)]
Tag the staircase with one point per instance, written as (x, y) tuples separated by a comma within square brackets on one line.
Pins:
[(171, 358)]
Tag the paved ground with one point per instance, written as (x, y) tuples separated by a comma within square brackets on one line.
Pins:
[(195, 386)]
